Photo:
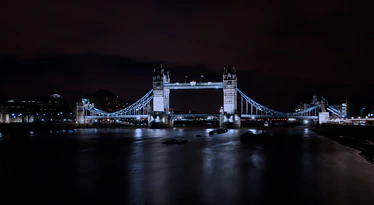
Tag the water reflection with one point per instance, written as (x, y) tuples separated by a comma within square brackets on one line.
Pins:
[(138, 133), (306, 131), (132, 166), (136, 166)]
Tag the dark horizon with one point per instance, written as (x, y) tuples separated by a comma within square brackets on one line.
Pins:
[(78, 80)]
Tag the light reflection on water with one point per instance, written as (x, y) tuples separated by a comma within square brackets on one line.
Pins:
[(138, 133), (136, 168)]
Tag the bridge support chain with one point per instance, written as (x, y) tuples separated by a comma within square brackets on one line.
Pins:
[(229, 121), (159, 120)]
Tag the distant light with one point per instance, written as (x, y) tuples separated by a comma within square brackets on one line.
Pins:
[(306, 121)]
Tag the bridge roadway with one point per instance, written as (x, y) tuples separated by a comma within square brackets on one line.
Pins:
[(194, 85), (275, 116), (243, 116), (146, 116)]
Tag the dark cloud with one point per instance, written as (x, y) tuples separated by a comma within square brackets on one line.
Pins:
[(288, 48), (75, 75)]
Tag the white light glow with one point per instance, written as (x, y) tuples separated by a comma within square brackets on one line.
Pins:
[(157, 119), (231, 119), (138, 132)]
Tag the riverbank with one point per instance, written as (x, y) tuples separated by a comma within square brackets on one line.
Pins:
[(360, 138), (26, 129)]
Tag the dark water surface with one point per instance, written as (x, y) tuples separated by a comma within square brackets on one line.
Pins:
[(132, 166)]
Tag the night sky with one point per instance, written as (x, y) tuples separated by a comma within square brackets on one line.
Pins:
[(284, 51)]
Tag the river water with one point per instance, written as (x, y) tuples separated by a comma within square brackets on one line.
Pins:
[(132, 166)]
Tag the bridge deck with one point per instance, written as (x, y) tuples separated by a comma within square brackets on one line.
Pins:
[(200, 115), (274, 116), (207, 85), (116, 117)]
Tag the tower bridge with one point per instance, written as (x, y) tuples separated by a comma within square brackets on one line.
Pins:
[(154, 105)]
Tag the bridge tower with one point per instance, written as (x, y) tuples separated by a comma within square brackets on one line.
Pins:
[(159, 116), (323, 115), (229, 117), (80, 113)]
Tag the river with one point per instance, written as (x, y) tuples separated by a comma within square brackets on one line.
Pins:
[(132, 166)]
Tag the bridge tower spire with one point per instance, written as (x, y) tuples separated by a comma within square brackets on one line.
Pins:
[(229, 116), (159, 116)]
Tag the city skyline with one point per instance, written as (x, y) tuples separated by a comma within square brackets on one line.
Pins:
[(73, 84)]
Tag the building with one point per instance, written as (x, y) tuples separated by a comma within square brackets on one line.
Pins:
[(36, 109), (304, 106), (106, 101), (342, 106)]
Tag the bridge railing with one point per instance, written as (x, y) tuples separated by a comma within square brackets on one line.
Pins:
[(194, 85), (189, 84)]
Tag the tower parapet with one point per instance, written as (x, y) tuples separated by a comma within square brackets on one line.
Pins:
[(229, 73), (160, 76)]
